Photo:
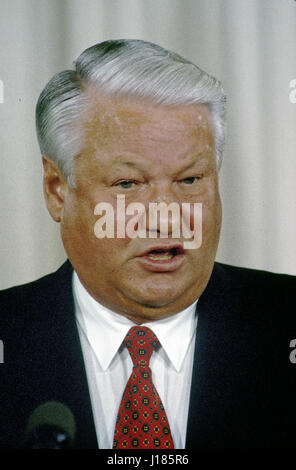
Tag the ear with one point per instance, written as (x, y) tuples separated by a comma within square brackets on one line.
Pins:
[(54, 186)]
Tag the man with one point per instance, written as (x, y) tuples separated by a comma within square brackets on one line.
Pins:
[(137, 122)]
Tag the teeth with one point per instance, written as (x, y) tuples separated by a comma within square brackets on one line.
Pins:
[(161, 257)]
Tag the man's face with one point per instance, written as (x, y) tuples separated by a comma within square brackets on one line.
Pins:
[(149, 154)]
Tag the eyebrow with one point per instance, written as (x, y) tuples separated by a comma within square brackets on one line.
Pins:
[(127, 163), (194, 161), (138, 166)]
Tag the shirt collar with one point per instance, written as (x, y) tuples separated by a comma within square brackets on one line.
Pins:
[(105, 330)]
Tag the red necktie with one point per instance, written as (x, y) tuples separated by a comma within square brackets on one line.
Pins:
[(141, 422)]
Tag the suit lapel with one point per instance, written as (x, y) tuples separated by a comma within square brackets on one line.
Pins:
[(229, 401), (77, 392), (203, 373), (218, 416), (60, 351)]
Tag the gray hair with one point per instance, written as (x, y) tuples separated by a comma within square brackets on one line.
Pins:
[(122, 67)]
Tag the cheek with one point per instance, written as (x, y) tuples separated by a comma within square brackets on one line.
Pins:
[(211, 214), (209, 198), (112, 248), (212, 222), (77, 225), (108, 253)]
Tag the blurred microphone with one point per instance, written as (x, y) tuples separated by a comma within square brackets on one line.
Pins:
[(50, 426)]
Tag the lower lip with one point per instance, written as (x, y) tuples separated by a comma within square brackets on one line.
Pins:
[(163, 265)]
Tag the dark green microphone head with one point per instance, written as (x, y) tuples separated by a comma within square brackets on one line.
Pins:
[(50, 426)]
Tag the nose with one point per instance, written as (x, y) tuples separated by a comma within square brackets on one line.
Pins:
[(163, 214)]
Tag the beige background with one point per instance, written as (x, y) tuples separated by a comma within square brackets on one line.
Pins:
[(248, 44)]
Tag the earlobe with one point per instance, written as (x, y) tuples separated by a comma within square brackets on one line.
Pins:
[(54, 187)]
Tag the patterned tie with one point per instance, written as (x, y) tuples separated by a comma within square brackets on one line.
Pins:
[(141, 421)]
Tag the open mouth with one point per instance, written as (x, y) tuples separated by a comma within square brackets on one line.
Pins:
[(161, 255), (163, 258)]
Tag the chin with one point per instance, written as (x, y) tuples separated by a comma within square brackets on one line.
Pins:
[(158, 294), (156, 301)]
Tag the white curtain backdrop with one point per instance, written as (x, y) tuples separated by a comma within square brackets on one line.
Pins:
[(248, 44)]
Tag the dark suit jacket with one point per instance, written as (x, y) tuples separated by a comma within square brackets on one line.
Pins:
[(243, 386)]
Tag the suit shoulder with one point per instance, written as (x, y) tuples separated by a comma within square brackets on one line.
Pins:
[(250, 276), (264, 290), (16, 301), (253, 297)]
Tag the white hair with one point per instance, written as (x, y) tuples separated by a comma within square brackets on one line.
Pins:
[(130, 68)]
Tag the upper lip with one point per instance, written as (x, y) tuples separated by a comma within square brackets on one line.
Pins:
[(178, 247)]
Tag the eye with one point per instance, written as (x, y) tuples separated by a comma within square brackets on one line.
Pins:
[(126, 184), (189, 180)]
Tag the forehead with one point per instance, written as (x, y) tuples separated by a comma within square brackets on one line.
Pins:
[(123, 124), (107, 115)]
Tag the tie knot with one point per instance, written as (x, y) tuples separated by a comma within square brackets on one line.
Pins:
[(141, 342)]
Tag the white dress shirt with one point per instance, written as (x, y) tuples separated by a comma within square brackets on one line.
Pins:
[(108, 363)]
